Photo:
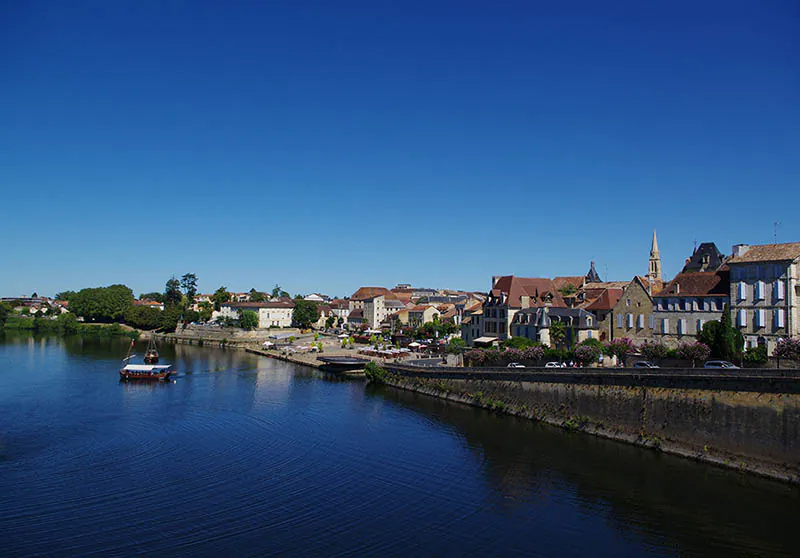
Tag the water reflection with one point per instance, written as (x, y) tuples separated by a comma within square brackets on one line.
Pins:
[(700, 508)]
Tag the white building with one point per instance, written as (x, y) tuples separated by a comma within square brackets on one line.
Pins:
[(765, 292), (270, 314)]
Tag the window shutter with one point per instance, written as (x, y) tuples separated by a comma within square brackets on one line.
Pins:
[(620, 317), (652, 321), (780, 291), (780, 317), (741, 318), (629, 320), (742, 291), (699, 326), (640, 321), (665, 325)]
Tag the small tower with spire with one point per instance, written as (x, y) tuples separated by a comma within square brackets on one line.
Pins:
[(654, 271)]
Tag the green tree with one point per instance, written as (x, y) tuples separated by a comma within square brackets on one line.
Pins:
[(155, 297), (305, 313), (518, 343), (248, 320), (67, 323), (277, 292), (221, 296), (206, 310), (102, 304), (558, 332), (170, 318), (189, 286), (725, 341), (568, 290), (64, 295), (257, 296), (5, 310), (330, 321), (619, 348), (172, 292), (456, 345), (143, 317)]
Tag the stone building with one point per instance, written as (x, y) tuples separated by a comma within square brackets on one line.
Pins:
[(765, 292), (509, 295), (705, 257), (535, 324), (632, 315), (687, 302)]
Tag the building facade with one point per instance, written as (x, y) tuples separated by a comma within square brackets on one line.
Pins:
[(765, 292), (687, 303), (632, 315)]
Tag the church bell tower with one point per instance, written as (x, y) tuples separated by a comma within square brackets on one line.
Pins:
[(654, 271)]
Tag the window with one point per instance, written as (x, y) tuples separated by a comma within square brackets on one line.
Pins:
[(741, 318), (780, 290), (759, 290), (760, 317), (700, 325), (652, 322), (628, 302), (665, 325), (640, 321), (682, 327), (588, 321), (620, 317), (629, 320), (589, 336), (741, 291), (780, 317)]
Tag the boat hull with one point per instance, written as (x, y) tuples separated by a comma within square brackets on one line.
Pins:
[(145, 376)]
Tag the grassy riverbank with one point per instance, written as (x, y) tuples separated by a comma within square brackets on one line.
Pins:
[(66, 326)]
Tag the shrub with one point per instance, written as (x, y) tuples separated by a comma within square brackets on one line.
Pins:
[(534, 353), (619, 348), (654, 350), (788, 348), (586, 354), (694, 351), (374, 373), (518, 343), (756, 355)]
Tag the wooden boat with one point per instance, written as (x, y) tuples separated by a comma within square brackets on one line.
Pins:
[(148, 372), (151, 354)]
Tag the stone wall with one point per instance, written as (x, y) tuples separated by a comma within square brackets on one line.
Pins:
[(750, 421), (225, 335)]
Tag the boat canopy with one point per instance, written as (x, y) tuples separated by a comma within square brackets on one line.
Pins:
[(146, 367)]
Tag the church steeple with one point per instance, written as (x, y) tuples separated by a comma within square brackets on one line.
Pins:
[(654, 271)]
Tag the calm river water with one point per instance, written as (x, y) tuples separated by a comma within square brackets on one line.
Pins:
[(247, 456)]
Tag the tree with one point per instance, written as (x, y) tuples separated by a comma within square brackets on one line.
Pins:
[(221, 296), (330, 321), (725, 341), (172, 292), (189, 286), (257, 296), (277, 292), (170, 318), (568, 290), (248, 320), (64, 295), (143, 317), (155, 297), (518, 343), (305, 313), (558, 332), (619, 348), (455, 346), (67, 323), (694, 352), (206, 310), (102, 304), (5, 310)]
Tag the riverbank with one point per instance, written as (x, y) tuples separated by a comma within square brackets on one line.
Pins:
[(750, 431)]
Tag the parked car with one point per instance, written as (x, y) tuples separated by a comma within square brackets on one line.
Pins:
[(555, 365), (719, 364), (515, 365), (644, 364)]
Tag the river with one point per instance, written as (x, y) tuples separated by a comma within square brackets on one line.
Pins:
[(246, 456)]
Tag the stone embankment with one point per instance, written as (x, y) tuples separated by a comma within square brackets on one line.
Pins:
[(748, 420)]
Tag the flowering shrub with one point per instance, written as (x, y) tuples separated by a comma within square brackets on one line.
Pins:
[(533, 353), (619, 348), (653, 350), (585, 354), (475, 357), (788, 348), (694, 351)]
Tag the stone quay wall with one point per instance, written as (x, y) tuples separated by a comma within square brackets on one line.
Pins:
[(227, 336), (748, 420)]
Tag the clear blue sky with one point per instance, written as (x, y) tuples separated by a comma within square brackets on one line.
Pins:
[(328, 145)]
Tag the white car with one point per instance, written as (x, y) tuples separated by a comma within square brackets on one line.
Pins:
[(555, 365), (516, 365)]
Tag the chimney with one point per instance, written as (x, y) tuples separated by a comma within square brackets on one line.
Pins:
[(739, 249), (494, 280)]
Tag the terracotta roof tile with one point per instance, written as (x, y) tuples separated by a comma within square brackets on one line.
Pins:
[(701, 283), (768, 253)]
